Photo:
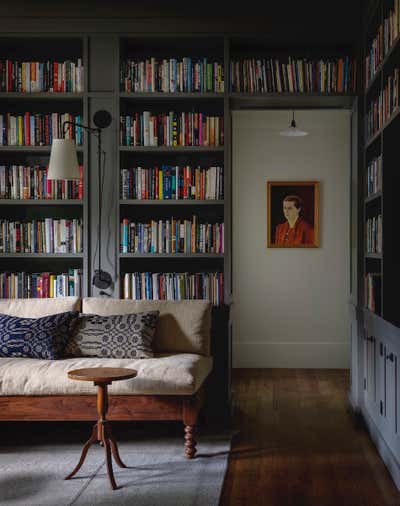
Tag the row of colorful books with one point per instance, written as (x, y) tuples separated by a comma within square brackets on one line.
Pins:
[(38, 285), (41, 76), (171, 129), (383, 106), (372, 292), (174, 286), (374, 176), (19, 182), (386, 35), (172, 75), (38, 129), (374, 234), (172, 183), (264, 75), (172, 236), (41, 236)]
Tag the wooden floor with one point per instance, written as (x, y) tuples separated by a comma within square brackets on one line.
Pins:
[(297, 444)]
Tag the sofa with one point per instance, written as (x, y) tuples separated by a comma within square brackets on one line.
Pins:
[(167, 387)]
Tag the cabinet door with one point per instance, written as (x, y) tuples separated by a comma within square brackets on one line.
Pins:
[(370, 370), (391, 390), (380, 377)]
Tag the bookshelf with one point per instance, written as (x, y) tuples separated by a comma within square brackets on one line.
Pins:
[(102, 50), (30, 68), (381, 79)]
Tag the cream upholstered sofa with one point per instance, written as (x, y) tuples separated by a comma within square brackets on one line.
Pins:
[(167, 387)]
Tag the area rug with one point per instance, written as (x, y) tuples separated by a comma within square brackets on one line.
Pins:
[(158, 473)]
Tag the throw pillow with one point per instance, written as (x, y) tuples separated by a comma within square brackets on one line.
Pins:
[(116, 336), (44, 337)]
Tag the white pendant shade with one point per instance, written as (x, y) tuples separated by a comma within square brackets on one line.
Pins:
[(63, 160), (293, 132)]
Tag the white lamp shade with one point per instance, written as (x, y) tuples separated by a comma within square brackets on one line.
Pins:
[(63, 160), (293, 132)]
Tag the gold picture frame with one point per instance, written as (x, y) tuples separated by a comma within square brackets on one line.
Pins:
[(293, 214)]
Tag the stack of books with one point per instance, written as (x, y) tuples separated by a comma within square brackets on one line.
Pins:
[(171, 183), (374, 234), (43, 76), (38, 129), (41, 236), (372, 295), (172, 236), (261, 75), (18, 182), (171, 129), (174, 286), (374, 176), (37, 285), (172, 75)]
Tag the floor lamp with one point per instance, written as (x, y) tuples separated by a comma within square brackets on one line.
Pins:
[(64, 165)]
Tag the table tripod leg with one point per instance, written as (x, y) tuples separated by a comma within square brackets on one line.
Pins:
[(109, 462), (114, 449), (88, 444)]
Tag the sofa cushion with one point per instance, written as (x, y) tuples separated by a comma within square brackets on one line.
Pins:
[(43, 337), (177, 374), (35, 308), (116, 336), (183, 326)]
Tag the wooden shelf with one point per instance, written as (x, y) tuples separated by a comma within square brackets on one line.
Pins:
[(170, 96), (293, 99), (171, 202), (377, 256), (41, 255), (40, 96), (30, 202), (32, 149), (171, 255), (171, 149), (373, 197)]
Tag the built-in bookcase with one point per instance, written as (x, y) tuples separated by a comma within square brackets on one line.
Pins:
[(382, 124), (189, 79), (35, 81), (111, 64)]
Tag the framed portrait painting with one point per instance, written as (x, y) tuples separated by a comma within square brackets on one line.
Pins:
[(293, 214)]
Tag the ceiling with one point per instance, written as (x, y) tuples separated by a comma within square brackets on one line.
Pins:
[(288, 22)]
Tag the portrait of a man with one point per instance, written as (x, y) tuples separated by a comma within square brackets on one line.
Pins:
[(293, 214)]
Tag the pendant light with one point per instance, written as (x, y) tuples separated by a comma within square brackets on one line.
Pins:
[(293, 131)]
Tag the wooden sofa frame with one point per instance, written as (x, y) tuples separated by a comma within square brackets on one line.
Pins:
[(183, 408)]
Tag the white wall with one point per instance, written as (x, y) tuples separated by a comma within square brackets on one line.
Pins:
[(290, 305)]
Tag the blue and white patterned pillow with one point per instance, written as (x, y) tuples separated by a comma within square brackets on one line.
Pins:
[(116, 336), (44, 337)]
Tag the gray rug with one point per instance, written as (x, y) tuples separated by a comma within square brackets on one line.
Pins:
[(158, 474)]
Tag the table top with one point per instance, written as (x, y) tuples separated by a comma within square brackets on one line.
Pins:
[(102, 374)]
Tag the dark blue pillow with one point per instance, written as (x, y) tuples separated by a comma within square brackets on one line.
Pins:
[(44, 337)]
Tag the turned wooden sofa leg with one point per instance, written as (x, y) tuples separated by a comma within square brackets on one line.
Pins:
[(191, 408)]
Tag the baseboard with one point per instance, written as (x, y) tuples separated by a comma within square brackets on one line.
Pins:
[(321, 355), (384, 451)]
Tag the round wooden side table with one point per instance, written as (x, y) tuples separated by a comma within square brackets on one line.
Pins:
[(102, 377)]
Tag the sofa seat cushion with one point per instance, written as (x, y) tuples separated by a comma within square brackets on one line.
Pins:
[(166, 374)]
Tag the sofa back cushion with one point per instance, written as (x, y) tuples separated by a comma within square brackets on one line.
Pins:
[(183, 326), (36, 308)]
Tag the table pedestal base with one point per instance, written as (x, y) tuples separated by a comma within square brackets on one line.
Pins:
[(102, 433)]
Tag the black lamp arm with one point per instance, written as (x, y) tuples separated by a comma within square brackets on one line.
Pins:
[(95, 131)]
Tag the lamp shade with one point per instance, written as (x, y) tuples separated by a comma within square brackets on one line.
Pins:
[(63, 160)]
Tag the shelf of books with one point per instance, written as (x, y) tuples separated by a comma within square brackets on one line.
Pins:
[(42, 230), (382, 130), (171, 187)]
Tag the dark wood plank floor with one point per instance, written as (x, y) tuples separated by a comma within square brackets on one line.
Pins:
[(298, 444)]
